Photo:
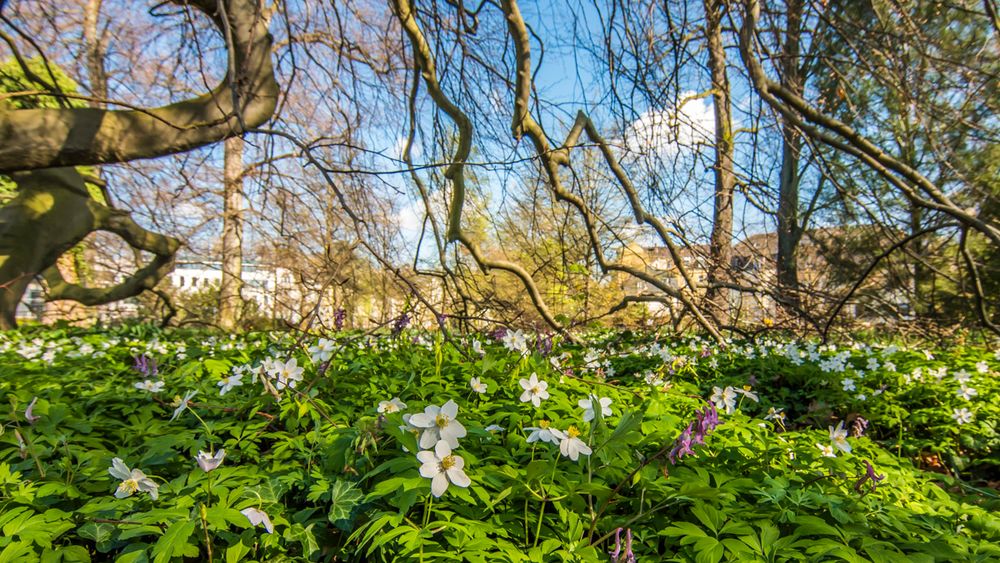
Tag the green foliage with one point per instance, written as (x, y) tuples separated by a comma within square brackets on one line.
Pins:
[(339, 480), (14, 80)]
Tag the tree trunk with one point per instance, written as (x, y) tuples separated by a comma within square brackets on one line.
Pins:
[(230, 302), (53, 212), (789, 231), (722, 217), (94, 55)]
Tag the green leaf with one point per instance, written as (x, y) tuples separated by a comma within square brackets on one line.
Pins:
[(100, 533), (709, 550), (304, 536), (683, 529), (16, 552), (235, 553), (344, 496), (174, 542), (216, 368)]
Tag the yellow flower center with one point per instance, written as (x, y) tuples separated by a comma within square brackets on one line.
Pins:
[(441, 421), (544, 424), (129, 485), (448, 462), (535, 390), (572, 432)]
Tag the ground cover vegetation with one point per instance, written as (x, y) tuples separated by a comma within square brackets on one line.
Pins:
[(139, 444)]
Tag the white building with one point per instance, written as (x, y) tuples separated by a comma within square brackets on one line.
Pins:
[(274, 289)]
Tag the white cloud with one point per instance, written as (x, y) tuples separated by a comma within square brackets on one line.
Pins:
[(667, 130), (399, 145), (410, 218)]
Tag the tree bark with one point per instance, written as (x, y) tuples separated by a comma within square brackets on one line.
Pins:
[(94, 52), (52, 213), (44, 138), (789, 231), (720, 246), (230, 302)]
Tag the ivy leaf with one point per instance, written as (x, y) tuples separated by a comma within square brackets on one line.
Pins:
[(304, 536), (344, 496)]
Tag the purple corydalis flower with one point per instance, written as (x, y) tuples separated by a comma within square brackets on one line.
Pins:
[(682, 446), (145, 365), (618, 545), (338, 318), (616, 554), (499, 333), (544, 344), (401, 323), (868, 476), (705, 421)]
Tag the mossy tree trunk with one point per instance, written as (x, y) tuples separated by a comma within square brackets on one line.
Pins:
[(53, 210), (52, 213)]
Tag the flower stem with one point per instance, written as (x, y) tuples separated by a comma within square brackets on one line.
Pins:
[(204, 528), (538, 527), (427, 510)]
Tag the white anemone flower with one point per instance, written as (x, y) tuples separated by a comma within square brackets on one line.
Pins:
[(183, 404), (322, 351), (207, 462), (29, 413), (962, 376), (724, 399), (515, 341), (827, 450), (962, 415), (227, 383), (133, 480), (287, 374), (258, 517), (571, 445), (838, 436), (775, 414), (391, 406), (543, 433), (438, 423), (477, 385), (534, 390), (848, 384), (477, 348), (150, 385), (442, 467), (588, 406), (967, 392), (746, 392), (653, 379)]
